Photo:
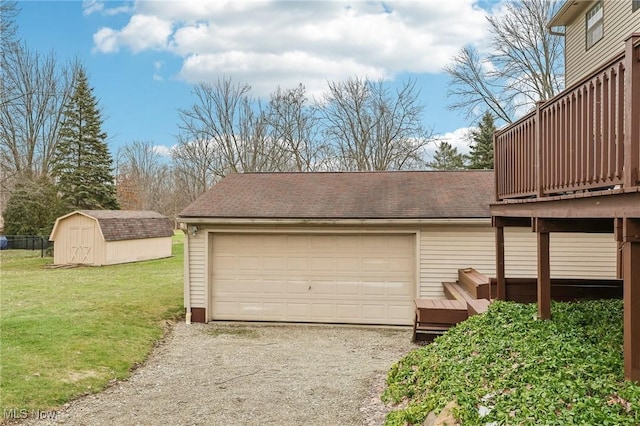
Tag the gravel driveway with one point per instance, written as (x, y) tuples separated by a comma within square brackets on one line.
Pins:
[(231, 374)]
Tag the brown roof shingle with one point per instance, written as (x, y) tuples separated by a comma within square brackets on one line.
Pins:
[(117, 225), (355, 195)]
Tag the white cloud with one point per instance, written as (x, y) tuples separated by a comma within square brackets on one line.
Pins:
[(163, 150), (95, 6), (458, 138), (143, 32), (272, 42)]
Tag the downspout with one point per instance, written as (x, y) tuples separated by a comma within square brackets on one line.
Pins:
[(187, 283)]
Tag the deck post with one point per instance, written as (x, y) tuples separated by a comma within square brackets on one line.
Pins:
[(631, 111), (544, 275), (501, 289), (631, 290), (538, 154)]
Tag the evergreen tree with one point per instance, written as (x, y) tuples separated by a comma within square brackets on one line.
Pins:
[(481, 148), (82, 164), (33, 207), (447, 157)]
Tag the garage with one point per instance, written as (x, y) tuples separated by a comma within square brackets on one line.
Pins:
[(352, 247), (328, 278)]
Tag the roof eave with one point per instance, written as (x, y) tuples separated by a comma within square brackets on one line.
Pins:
[(327, 221), (568, 12)]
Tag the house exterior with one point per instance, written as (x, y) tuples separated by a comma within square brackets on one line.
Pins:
[(593, 31), (573, 164), (351, 247), (107, 237)]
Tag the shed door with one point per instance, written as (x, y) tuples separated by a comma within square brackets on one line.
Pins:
[(81, 244), (357, 279)]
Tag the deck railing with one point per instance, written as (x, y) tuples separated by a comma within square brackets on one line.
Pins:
[(585, 138)]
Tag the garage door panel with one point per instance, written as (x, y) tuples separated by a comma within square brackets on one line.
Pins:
[(313, 278), (348, 288), (243, 264), (323, 264), (274, 264), (321, 288)]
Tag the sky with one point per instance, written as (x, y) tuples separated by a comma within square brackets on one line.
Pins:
[(143, 57)]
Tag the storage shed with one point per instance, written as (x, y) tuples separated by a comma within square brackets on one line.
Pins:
[(353, 248), (107, 237)]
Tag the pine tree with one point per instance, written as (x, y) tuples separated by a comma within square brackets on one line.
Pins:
[(447, 157), (82, 164), (33, 207), (481, 148)]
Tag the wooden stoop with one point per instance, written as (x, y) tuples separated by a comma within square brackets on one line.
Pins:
[(466, 297)]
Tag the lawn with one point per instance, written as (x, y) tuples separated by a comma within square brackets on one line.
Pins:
[(68, 332), (507, 368)]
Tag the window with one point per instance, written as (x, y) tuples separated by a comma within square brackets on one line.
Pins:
[(594, 24), (635, 5)]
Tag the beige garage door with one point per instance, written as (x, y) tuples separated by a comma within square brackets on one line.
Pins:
[(357, 279)]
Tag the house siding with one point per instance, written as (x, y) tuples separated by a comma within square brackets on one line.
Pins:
[(619, 23), (443, 249), (197, 271)]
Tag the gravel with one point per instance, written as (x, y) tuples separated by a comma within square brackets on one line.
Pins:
[(252, 374)]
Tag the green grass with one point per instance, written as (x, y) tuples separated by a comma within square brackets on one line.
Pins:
[(68, 332), (568, 370)]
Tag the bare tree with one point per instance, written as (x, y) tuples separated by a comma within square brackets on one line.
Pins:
[(34, 91), (227, 129), (8, 29), (525, 65), (143, 178), (373, 127), (293, 126)]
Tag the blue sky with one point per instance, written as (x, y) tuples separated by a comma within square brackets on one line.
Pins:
[(143, 57)]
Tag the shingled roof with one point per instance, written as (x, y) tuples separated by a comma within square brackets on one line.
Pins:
[(117, 225), (355, 195)]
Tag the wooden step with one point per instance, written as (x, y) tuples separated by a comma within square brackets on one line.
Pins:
[(455, 291), (441, 311), (476, 284), (477, 306), (433, 317)]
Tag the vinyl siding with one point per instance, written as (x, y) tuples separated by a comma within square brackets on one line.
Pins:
[(619, 23), (443, 249), (197, 270)]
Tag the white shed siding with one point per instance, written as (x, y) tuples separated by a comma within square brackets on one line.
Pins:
[(137, 250), (197, 271), (619, 23)]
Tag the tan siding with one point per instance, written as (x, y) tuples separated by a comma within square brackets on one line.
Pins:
[(197, 273), (619, 23), (137, 250), (444, 250), (572, 255), (63, 250)]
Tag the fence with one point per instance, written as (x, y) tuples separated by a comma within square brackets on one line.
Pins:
[(25, 242)]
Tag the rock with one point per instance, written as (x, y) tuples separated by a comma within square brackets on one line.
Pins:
[(445, 418)]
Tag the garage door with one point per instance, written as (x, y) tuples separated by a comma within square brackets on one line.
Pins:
[(356, 279)]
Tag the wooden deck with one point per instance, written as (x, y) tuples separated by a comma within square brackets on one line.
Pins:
[(434, 317)]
